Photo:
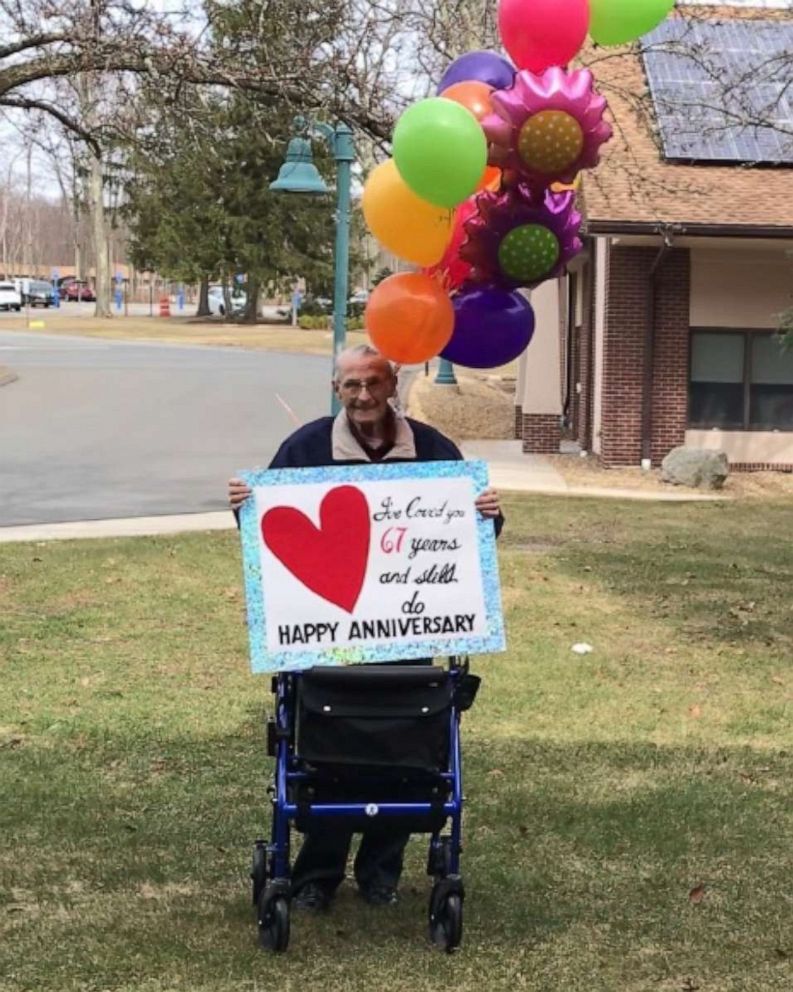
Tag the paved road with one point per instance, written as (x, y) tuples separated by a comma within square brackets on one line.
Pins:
[(98, 429)]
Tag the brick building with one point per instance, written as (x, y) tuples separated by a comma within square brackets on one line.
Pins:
[(664, 331)]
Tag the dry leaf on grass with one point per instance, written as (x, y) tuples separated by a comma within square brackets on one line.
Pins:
[(697, 894), (695, 711)]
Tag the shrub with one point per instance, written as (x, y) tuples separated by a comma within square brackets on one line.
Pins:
[(310, 307), (314, 323), (325, 323)]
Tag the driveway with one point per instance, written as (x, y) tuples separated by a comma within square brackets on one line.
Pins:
[(98, 429)]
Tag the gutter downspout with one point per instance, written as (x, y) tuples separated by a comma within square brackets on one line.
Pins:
[(649, 352), (568, 348)]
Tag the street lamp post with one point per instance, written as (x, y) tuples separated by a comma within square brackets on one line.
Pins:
[(298, 174)]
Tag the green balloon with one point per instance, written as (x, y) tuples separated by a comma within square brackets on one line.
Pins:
[(528, 253), (440, 151), (616, 22)]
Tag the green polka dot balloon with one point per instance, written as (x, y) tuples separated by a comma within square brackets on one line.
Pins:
[(528, 253)]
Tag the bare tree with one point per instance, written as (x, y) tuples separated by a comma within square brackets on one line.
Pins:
[(447, 29), (11, 230), (82, 61), (46, 40)]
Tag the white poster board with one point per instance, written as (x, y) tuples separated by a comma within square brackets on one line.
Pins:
[(369, 564)]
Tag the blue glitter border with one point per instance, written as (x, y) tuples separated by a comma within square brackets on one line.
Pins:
[(263, 660)]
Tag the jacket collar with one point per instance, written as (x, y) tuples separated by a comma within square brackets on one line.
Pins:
[(346, 448)]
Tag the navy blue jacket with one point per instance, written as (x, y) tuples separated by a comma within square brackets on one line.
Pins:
[(310, 447)]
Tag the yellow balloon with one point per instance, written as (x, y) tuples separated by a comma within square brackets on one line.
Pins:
[(574, 186), (401, 221)]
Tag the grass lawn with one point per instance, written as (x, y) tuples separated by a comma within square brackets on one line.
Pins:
[(185, 330), (629, 822)]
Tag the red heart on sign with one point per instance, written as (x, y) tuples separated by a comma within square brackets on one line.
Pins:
[(329, 560)]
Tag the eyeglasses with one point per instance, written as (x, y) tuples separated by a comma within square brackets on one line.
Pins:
[(354, 387)]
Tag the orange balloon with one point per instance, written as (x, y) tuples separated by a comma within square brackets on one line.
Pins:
[(409, 317), (491, 179), (473, 95)]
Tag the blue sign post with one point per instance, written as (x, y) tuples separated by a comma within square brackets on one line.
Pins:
[(297, 302), (118, 296)]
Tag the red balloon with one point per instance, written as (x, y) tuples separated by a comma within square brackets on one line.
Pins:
[(452, 270), (409, 317), (541, 33)]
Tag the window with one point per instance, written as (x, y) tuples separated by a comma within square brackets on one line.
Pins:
[(740, 381), (771, 384)]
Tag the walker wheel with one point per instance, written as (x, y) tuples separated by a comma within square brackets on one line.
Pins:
[(446, 922), (273, 922), (259, 870)]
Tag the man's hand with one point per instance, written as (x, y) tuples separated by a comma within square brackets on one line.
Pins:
[(238, 493), (488, 503)]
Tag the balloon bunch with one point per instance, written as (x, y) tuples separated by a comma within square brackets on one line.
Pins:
[(480, 192)]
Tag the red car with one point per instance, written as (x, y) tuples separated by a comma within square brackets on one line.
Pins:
[(75, 291)]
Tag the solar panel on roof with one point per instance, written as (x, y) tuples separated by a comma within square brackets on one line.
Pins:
[(723, 90)]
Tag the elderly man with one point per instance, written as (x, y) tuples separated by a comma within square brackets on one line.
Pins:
[(366, 430)]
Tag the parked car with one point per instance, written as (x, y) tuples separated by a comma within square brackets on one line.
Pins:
[(77, 290), (310, 306), (37, 293), (217, 301), (357, 303), (10, 298)]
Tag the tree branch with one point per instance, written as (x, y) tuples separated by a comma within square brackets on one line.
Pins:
[(26, 103)]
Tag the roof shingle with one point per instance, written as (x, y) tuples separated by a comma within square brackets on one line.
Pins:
[(635, 185)]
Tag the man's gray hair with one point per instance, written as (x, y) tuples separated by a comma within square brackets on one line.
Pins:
[(359, 351)]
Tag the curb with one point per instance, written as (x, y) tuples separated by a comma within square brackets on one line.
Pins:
[(183, 523), (7, 375)]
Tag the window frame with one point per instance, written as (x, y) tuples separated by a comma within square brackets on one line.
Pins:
[(748, 335)]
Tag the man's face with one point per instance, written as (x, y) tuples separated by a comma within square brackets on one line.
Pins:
[(364, 386)]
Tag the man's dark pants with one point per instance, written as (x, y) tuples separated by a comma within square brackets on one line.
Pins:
[(326, 845), (323, 856)]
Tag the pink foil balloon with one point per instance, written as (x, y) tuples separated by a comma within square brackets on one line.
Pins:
[(547, 127), (520, 238)]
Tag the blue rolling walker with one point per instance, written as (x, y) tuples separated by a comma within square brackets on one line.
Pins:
[(363, 742)]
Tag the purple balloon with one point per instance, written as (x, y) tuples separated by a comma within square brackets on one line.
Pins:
[(484, 67), (491, 327)]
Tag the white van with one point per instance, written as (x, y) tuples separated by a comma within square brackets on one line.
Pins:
[(35, 292), (10, 298)]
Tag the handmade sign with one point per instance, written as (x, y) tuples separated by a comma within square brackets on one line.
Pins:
[(368, 564)]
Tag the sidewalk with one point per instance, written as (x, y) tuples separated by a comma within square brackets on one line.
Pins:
[(511, 470)]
